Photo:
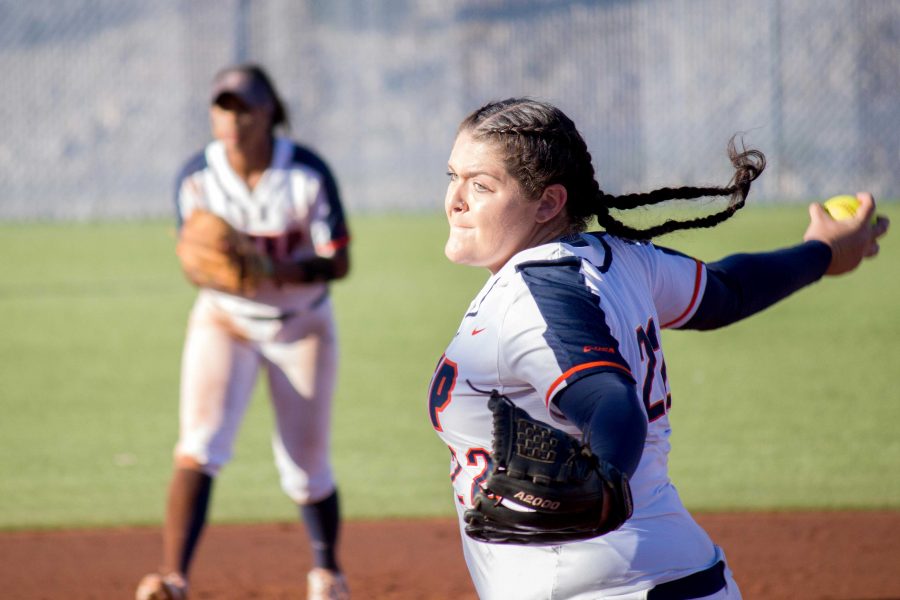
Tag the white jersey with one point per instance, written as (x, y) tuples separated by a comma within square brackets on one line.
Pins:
[(552, 315), (293, 212)]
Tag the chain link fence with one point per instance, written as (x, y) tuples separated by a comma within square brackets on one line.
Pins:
[(102, 100)]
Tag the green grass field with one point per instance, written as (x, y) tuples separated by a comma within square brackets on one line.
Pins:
[(793, 408)]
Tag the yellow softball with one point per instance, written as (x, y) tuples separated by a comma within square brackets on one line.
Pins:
[(842, 207)]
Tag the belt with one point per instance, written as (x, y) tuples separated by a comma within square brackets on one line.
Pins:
[(284, 316), (696, 585)]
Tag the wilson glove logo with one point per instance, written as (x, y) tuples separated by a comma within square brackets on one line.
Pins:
[(537, 501)]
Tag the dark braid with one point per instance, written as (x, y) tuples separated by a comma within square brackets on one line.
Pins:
[(542, 147)]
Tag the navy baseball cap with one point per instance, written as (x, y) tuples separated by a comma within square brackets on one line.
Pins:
[(245, 85)]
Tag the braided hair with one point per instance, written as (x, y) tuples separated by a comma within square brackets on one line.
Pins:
[(542, 147)]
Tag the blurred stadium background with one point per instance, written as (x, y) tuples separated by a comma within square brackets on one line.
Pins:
[(102, 100)]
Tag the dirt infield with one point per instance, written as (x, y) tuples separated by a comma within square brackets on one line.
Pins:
[(841, 555)]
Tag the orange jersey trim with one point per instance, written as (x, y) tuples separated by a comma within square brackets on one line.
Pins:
[(333, 245), (590, 365), (694, 297)]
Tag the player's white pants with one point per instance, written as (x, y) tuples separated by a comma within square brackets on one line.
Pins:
[(221, 360), (588, 570)]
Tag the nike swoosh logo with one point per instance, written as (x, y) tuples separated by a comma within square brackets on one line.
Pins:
[(476, 331)]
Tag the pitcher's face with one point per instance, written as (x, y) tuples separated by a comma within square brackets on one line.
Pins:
[(490, 218)]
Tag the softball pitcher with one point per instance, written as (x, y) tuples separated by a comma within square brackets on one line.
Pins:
[(564, 338), (281, 202)]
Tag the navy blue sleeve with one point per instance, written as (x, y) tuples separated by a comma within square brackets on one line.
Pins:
[(606, 408), (744, 284), (336, 220)]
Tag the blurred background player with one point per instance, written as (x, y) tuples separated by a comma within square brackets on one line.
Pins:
[(285, 198), (568, 327)]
